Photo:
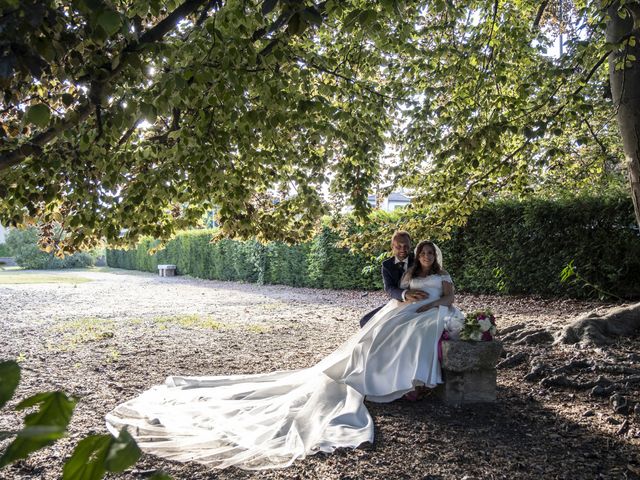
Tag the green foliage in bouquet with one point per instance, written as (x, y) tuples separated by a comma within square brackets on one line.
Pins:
[(479, 326)]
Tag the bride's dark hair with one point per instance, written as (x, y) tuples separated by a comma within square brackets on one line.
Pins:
[(411, 271)]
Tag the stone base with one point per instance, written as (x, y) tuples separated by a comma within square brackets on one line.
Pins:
[(460, 388), (468, 371)]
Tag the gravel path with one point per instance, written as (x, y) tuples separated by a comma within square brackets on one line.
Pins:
[(108, 339)]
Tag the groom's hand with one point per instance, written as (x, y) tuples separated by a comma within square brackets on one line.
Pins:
[(415, 295), (424, 308)]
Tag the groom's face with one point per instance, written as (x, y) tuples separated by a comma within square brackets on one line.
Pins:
[(401, 247)]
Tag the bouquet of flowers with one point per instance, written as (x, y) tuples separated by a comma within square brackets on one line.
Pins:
[(479, 326)]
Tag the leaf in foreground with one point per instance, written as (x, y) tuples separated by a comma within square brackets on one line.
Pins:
[(87, 460), (9, 379), (42, 427), (160, 476), (97, 454), (123, 452)]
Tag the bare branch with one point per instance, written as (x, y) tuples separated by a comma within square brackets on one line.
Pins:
[(595, 137), (541, 8)]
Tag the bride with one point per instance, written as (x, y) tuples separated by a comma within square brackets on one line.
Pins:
[(270, 420)]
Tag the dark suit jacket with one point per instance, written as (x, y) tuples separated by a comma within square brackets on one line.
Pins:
[(391, 276)]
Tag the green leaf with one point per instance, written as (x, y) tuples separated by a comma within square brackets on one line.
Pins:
[(38, 115), (29, 440), (567, 272), (160, 476), (88, 459), (311, 15), (110, 21), (9, 379), (148, 111), (56, 408), (123, 453), (93, 4), (67, 99), (268, 6), (296, 25), (43, 427)]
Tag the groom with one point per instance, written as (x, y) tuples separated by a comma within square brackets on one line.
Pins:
[(392, 270)]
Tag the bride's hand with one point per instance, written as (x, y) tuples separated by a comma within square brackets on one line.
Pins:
[(415, 295)]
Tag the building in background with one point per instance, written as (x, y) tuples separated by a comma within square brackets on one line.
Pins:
[(390, 203)]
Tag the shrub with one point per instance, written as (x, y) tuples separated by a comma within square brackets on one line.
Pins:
[(334, 267), (23, 245), (522, 247), (505, 247), (4, 250), (275, 263)]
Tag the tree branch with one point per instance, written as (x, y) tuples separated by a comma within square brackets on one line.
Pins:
[(155, 34), (345, 78), (541, 8), (595, 137), (18, 154)]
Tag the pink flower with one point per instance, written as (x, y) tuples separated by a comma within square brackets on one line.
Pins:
[(486, 336), (445, 335)]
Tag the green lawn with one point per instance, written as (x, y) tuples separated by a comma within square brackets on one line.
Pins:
[(11, 276)]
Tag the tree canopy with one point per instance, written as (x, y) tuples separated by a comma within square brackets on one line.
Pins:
[(140, 116)]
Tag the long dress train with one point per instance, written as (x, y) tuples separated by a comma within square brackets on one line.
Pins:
[(270, 420)]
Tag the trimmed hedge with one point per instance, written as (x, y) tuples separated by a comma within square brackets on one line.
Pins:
[(506, 247), (522, 247), (315, 264)]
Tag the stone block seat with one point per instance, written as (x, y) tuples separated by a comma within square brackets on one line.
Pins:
[(166, 270), (469, 372)]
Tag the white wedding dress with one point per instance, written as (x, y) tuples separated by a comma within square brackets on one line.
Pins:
[(270, 420)]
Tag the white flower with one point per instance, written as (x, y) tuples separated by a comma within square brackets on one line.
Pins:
[(477, 336), (454, 325), (485, 324)]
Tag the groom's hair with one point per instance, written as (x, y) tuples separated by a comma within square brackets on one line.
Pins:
[(400, 234)]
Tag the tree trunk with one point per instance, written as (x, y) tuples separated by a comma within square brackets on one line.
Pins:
[(624, 75)]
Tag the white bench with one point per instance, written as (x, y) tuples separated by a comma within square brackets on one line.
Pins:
[(166, 270)]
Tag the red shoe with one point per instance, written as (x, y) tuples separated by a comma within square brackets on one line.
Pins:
[(411, 396)]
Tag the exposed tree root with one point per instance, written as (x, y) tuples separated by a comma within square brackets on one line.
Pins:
[(565, 382), (513, 360), (512, 328), (529, 337), (601, 329)]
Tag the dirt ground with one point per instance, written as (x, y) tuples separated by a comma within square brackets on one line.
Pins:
[(108, 339)]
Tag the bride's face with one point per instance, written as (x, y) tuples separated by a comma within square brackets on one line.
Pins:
[(426, 257)]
